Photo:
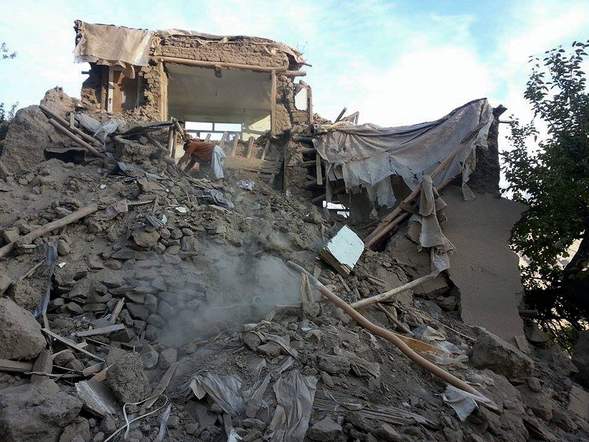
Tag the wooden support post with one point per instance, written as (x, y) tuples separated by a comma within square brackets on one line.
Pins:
[(251, 148), (273, 128), (341, 114), (234, 146), (318, 171), (111, 89), (171, 140), (174, 142), (310, 103)]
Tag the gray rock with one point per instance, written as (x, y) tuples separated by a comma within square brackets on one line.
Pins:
[(20, 333), (10, 235), (325, 430), (5, 282), (138, 311), (63, 247), (150, 357), (78, 430), (126, 378), (387, 433), (334, 364), (145, 239), (35, 412), (490, 351)]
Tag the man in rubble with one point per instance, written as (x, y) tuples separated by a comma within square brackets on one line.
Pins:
[(201, 152)]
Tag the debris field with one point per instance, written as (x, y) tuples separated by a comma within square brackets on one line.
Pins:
[(297, 298)]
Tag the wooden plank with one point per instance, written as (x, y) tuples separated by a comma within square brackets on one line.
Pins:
[(100, 330), (117, 310), (318, 169), (171, 140), (15, 366), (310, 103)]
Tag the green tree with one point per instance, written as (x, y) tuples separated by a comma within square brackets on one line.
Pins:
[(6, 114), (550, 173)]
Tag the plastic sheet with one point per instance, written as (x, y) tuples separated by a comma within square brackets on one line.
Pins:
[(462, 402), (295, 395)]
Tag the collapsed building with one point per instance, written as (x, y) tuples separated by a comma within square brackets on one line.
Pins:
[(343, 281)]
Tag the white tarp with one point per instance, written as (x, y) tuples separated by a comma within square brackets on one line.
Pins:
[(367, 155)]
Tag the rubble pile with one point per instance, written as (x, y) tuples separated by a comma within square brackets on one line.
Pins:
[(167, 308)]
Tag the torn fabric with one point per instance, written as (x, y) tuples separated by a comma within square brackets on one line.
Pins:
[(367, 155), (112, 45), (424, 227)]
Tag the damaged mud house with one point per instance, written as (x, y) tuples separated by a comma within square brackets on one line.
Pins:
[(188, 252)]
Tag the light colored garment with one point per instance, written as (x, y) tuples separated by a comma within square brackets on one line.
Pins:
[(217, 162)]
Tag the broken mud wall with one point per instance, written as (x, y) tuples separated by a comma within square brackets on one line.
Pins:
[(246, 51), (483, 268)]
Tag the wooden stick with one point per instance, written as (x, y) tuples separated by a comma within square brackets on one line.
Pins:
[(71, 344), (390, 293), (341, 114), (117, 310), (30, 237), (395, 340), (15, 366), (74, 129), (292, 74), (75, 138)]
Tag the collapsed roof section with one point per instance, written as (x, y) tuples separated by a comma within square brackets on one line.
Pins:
[(192, 76)]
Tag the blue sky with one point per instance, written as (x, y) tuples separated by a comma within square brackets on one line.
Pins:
[(396, 62)]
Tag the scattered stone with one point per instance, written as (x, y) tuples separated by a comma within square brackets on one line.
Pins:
[(138, 311), (270, 349), (35, 412), (387, 433), (150, 357), (126, 378), (146, 239), (20, 333), (490, 351), (78, 430), (168, 357), (63, 247), (5, 282), (10, 235), (95, 263), (325, 430)]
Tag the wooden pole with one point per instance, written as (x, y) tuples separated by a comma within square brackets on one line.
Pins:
[(171, 140), (390, 293), (74, 129), (251, 148), (215, 64), (78, 140), (37, 233)]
